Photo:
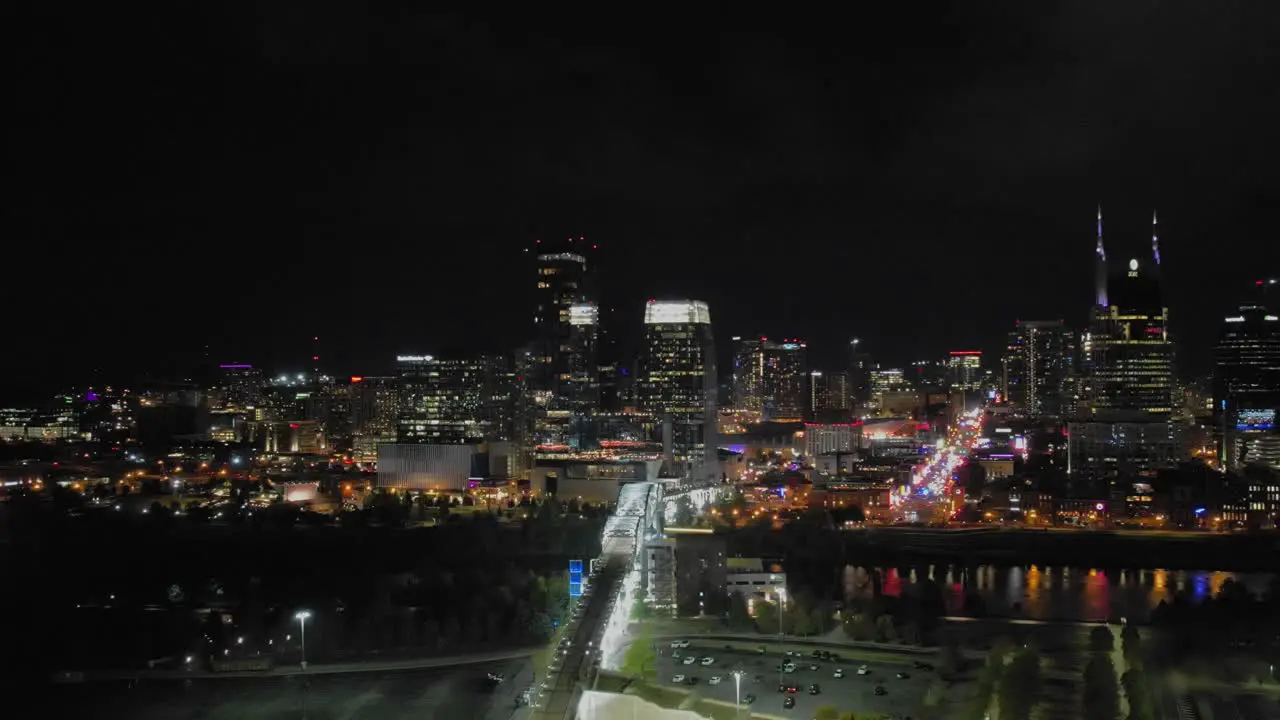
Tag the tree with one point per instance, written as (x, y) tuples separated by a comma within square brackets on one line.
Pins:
[(885, 631), (1020, 684), (684, 512), (1131, 644), (826, 712), (950, 659), (1101, 700), (1139, 695), (739, 615), (767, 620), (1101, 640)]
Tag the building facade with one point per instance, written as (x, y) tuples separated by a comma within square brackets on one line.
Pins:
[(679, 384), (1246, 383), (1037, 368)]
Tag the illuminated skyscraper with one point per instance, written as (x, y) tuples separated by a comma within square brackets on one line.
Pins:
[(1038, 364), (748, 374), (1246, 382), (678, 384), (447, 400), (567, 335), (964, 370), (770, 378), (1124, 417)]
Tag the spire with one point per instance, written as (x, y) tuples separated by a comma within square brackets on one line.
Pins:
[(1155, 237), (1100, 267), (1101, 252)]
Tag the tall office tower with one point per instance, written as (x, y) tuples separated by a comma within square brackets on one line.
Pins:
[(1246, 382), (1131, 360), (679, 385), (964, 370), (748, 374), (1038, 366), (829, 395), (580, 393), (860, 367), (240, 387), (1129, 392), (884, 381), (786, 379), (450, 400), (374, 405), (562, 281)]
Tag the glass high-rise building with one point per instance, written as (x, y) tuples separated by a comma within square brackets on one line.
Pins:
[(771, 378), (678, 385), (449, 400), (1131, 359), (1038, 365), (1246, 382), (1124, 417)]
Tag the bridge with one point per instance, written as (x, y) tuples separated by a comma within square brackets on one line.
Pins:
[(606, 609)]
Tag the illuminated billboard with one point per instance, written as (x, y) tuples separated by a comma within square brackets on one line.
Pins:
[(1255, 419), (583, 314)]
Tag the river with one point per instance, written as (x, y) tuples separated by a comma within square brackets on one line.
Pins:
[(1058, 593)]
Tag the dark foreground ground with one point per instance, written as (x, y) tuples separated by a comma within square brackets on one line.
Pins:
[(442, 693)]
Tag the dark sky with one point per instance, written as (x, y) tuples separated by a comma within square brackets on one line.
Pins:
[(245, 177)]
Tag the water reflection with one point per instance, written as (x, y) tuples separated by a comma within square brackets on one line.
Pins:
[(1061, 593)]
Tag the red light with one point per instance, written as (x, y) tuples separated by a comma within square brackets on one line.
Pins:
[(357, 378), (966, 352), (315, 337), (538, 240), (594, 247), (315, 357), (293, 425), (1258, 283)]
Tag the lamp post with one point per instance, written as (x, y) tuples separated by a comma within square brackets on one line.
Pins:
[(782, 635), (302, 616), (737, 692)]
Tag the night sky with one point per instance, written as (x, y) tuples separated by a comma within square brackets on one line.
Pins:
[(244, 178)]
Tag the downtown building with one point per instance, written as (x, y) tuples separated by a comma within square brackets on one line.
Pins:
[(770, 378), (1125, 418), (1246, 383), (564, 375), (1037, 369), (678, 386)]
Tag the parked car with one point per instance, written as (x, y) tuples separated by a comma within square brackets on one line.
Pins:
[(904, 676), (715, 680), (880, 690), (677, 679), (814, 689), (707, 661), (839, 673), (864, 670), (788, 702)]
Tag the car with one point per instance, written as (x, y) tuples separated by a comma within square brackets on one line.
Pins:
[(880, 690), (921, 665), (864, 670), (789, 668), (788, 702), (904, 676), (814, 689), (715, 680), (679, 643), (677, 679), (839, 673), (693, 680), (812, 666), (785, 688), (835, 657), (816, 654), (707, 661), (690, 660), (748, 699)]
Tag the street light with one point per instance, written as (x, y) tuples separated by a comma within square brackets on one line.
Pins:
[(301, 616), (737, 691)]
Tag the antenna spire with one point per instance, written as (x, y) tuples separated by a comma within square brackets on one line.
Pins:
[(1155, 237), (1100, 267)]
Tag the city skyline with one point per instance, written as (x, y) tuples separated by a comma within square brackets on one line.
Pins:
[(384, 199)]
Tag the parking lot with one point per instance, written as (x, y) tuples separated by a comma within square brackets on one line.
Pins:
[(761, 679)]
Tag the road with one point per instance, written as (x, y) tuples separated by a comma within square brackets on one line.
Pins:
[(373, 666), (388, 695), (574, 663)]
